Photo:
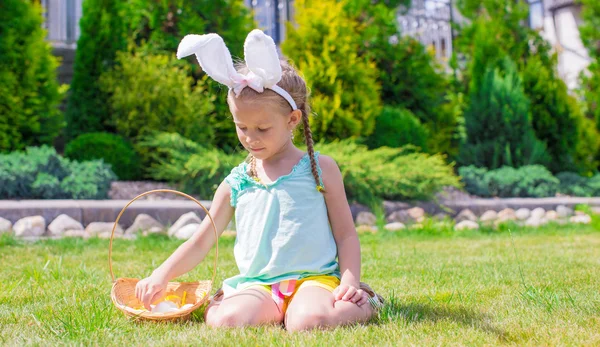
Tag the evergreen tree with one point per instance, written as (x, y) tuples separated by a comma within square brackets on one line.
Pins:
[(103, 34), (325, 47), (29, 91)]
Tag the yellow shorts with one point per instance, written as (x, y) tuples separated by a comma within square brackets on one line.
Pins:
[(282, 293)]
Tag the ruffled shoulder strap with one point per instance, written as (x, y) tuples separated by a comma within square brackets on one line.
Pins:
[(236, 180)]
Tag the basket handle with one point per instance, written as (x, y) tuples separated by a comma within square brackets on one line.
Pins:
[(163, 191)]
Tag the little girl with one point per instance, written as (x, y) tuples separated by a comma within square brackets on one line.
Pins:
[(296, 248)]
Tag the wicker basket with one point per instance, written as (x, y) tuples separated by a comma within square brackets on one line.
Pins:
[(195, 293)]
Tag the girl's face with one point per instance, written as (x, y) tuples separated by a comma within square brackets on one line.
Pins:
[(263, 130)]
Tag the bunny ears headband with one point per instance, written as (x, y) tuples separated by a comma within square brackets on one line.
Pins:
[(261, 58)]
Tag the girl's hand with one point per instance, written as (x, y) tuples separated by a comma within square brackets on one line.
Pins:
[(345, 292), (149, 290)]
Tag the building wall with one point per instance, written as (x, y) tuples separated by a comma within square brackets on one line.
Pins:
[(561, 21)]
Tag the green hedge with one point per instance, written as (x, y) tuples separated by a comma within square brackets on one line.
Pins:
[(527, 181), (113, 149), (40, 173), (369, 175)]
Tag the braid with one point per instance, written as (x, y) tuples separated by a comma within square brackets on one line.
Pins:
[(253, 172), (311, 151)]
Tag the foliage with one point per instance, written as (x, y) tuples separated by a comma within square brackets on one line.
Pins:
[(103, 34), (196, 168), (389, 173), (160, 25), (113, 149), (396, 127), (526, 181), (590, 35), (29, 91), (40, 173), (498, 125), (325, 46), (384, 173), (155, 93)]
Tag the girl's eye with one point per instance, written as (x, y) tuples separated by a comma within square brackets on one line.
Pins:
[(263, 130), (241, 128)]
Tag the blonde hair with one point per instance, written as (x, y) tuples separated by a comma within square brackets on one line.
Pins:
[(295, 85)]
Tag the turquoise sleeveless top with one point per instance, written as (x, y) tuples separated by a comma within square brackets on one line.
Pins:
[(283, 230)]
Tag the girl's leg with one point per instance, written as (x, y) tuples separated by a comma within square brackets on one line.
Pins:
[(252, 306), (314, 307)]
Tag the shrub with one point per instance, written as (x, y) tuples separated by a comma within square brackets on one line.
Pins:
[(29, 91), (195, 168), (325, 46), (397, 127), (113, 149), (590, 35), (103, 34), (384, 173), (162, 25), (155, 93), (498, 124), (573, 184), (474, 179), (39, 173), (527, 181)]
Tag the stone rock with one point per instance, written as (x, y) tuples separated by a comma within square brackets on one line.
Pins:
[(401, 216), (595, 210), (393, 206), (185, 232), (230, 233), (366, 218), (5, 226), (63, 223), (466, 214), (416, 213), (488, 216), (580, 213), (538, 213), (144, 224), (534, 221), (417, 226), (395, 226), (97, 228), (466, 225), (551, 215), (34, 226), (366, 229), (186, 219), (581, 219), (563, 211), (507, 214), (523, 214)]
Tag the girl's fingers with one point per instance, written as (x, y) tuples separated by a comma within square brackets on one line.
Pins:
[(340, 291), (359, 294), (364, 298), (349, 294)]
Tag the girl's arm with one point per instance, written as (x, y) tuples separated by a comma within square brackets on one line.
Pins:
[(191, 252), (344, 231)]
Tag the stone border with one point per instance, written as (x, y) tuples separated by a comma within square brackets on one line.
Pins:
[(168, 211)]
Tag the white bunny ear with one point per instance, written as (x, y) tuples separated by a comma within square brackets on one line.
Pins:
[(261, 57), (212, 54)]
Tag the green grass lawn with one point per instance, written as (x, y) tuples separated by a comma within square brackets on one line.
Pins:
[(527, 287)]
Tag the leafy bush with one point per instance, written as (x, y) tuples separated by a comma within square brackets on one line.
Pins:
[(474, 179), (155, 93), (498, 125), (197, 169), (590, 35), (162, 24), (29, 91), (40, 173), (384, 173), (325, 46), (527, 181), (103, 34), (113, 149), (397, 127), (389, 173), (573, 184)]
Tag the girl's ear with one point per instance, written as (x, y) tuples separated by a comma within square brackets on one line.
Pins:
[(295, 118)]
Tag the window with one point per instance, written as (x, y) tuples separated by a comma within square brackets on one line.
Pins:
[(536, 14)]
